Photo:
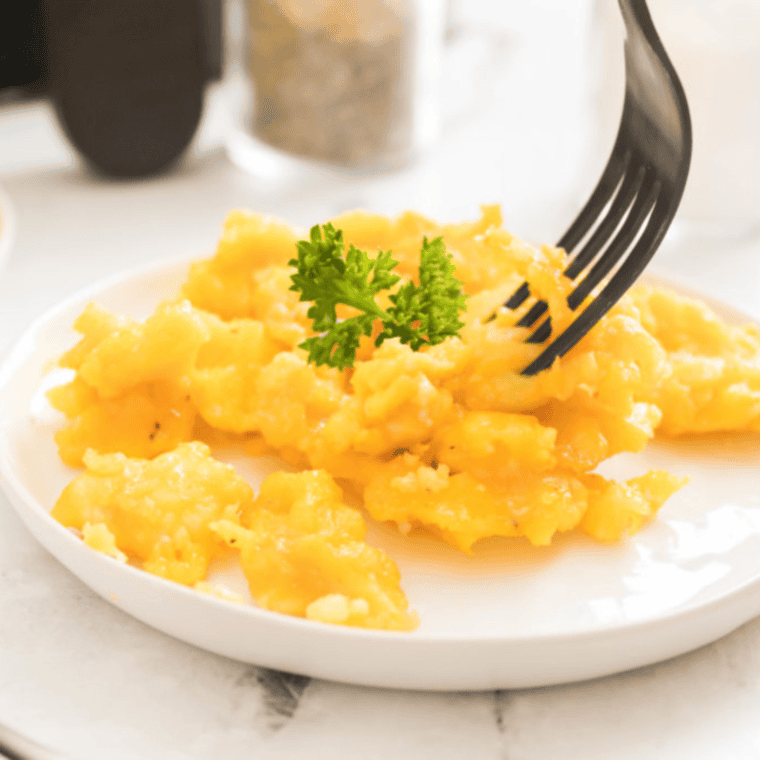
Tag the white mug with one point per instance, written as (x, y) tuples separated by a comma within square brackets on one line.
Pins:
[(714, 46)]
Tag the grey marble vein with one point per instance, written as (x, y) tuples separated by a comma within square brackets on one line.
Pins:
[(280, 694)]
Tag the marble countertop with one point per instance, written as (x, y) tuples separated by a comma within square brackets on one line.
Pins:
[(81, 676)]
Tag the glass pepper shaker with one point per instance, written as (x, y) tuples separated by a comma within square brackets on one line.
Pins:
[(350, 84)]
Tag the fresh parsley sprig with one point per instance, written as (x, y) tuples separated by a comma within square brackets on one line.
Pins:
[(421, 314)]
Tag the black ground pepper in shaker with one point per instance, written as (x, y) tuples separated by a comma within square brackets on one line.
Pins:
[(333, 79)]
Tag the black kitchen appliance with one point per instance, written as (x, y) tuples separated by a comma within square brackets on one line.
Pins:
[(126, 77)]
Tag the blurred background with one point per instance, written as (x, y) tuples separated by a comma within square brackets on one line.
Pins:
[(96, 81), (128, 130)]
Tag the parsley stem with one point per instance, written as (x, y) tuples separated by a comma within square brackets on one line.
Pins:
[(349, 297)]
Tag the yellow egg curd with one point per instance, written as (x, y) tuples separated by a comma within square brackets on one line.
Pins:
[(451, 439)]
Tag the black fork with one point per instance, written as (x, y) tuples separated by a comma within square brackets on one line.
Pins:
[(624, 221)]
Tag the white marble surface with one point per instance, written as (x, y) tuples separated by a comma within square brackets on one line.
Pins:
[(80, 676)]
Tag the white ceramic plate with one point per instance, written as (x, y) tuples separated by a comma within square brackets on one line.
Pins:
[(511, 616)]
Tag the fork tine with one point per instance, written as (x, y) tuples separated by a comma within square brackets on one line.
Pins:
[(608, 183), (537, 310), (629, 189), (624, 195), (518, 296), (610, 179), (631, 268), (627, 192), (643, 204), (542, 333)]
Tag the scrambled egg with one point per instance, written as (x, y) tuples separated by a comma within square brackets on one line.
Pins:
[(452, 439)]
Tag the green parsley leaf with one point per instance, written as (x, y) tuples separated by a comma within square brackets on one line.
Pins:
[(427, 313), (423, 314)]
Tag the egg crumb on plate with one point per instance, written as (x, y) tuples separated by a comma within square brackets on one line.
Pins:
[(451, 439)]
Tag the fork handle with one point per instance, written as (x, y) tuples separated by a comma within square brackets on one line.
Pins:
[(14, 746)]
